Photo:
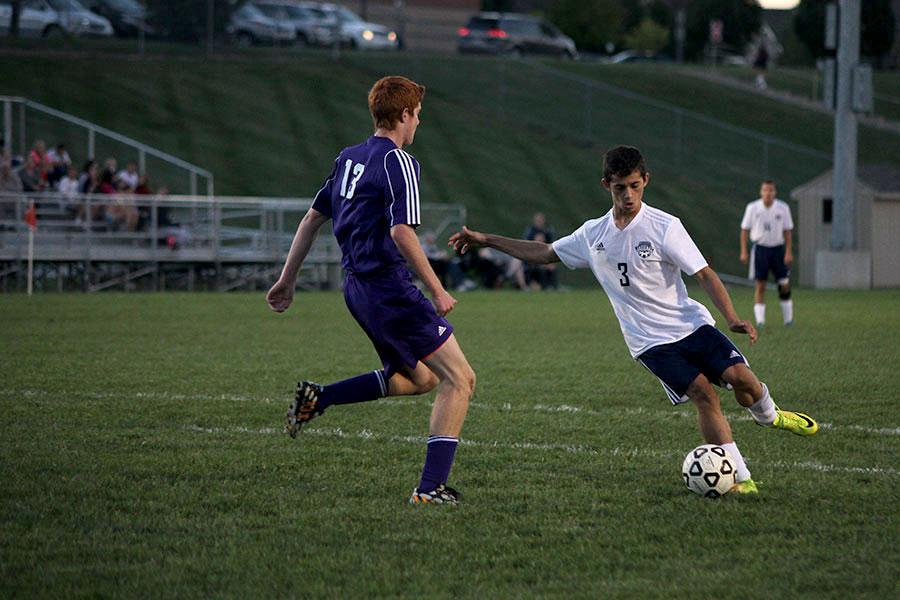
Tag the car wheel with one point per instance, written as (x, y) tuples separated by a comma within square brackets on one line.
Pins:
[(244, 39), (53, 32), (302, 40), (515, 52)]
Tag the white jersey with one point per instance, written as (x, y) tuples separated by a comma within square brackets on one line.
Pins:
[(640, 269), (767, 225)]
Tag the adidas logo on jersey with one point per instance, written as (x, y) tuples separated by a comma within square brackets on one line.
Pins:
[(599, 247), (441, 330)]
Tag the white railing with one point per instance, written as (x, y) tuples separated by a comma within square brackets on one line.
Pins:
[(152, 229), (16, 127)]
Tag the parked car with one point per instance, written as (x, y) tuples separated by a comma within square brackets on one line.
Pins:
[(128, 17), (314, 26), (514, 34), (631, 56), (46, 18), (357, 33), (248, 26)]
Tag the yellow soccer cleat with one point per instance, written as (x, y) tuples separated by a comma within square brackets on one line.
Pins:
[(795, 422), (747, 486)]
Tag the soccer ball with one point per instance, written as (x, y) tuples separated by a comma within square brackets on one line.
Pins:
[(709, 470)]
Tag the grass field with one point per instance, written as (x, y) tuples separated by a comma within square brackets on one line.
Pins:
[(143, 457), (501, 137)]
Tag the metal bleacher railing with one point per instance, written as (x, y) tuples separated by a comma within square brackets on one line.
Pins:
[(171, 242), (25, 120)]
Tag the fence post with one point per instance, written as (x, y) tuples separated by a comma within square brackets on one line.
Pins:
[(142, 161), (22, 133), (91, 144), (193, 183), (7, 127)]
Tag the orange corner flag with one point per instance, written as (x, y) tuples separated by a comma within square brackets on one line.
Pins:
[(31, 217)]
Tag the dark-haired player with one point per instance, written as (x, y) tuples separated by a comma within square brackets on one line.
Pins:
[(767, 223), (637, 253), (372, 196)]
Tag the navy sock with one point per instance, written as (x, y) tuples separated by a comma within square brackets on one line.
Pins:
[(361, 388), (438, 461)]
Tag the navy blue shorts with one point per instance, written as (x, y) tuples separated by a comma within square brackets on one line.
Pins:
[(769, 259), (397, 317), (677, 365)]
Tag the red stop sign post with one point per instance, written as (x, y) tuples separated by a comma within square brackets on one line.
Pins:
[(716, 28)]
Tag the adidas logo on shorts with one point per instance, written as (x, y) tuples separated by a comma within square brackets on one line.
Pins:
[(735, 354), (441, 330)]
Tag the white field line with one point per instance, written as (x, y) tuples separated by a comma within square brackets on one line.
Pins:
[(366, 434), (674, 412)]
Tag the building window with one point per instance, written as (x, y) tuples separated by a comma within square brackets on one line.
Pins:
[(827, 205)]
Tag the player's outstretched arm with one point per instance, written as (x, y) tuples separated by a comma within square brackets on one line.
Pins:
[(714, 288), (408, 244), (537, 253), (281, 294)]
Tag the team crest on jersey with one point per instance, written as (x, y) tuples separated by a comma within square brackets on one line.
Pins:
[(644, 249)]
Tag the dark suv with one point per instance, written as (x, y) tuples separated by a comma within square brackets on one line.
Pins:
[(514, 34)]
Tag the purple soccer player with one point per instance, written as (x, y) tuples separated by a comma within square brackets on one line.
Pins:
[(372, 195)]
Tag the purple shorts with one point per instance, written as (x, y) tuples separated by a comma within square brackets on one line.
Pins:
[(397, 317)]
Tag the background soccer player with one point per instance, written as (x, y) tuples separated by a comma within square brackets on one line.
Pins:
[(767, 222), (372, 195), (637, 253)]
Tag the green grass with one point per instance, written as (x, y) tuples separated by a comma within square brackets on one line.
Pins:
[(503, 138), (142, 457)]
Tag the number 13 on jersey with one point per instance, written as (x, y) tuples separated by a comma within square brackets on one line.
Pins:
[(358, 168)]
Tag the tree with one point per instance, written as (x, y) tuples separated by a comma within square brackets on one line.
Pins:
[(590, 23), (741, 19), (877, 27), (185, 20), (14, 18), (648, 36)]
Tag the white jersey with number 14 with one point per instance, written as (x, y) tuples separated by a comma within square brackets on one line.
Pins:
[(640, 269)]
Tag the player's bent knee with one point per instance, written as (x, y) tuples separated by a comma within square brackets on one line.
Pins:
[(427, 383)]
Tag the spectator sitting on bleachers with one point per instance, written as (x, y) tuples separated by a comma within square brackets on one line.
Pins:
[(128, 178), (41, 162), (89, 179), (60, 162), (9, 184), (112, 166), (30, 176), (120, 213), (68, 186)]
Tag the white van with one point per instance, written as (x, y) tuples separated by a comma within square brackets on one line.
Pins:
[(46, 18)]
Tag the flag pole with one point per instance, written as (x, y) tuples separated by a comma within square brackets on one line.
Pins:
[(30, 259), (31, 221)]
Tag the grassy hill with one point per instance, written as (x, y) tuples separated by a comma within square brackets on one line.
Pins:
[(501, 137)]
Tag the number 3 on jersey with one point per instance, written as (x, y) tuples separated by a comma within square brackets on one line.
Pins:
[(623, 269), (358, 168)]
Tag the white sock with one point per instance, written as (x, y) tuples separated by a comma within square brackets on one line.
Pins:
[(742, 472), (759, 312), (787, 310), (763, 411)]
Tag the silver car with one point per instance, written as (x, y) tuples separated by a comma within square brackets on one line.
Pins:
[(46, 18), (360, 34), (314, 26), (249, 25)]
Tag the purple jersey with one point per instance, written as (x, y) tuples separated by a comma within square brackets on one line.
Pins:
[(373, 187)]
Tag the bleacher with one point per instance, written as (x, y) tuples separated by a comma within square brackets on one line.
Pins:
[(182, 242)]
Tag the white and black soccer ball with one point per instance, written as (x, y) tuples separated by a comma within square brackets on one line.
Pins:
[(709, 470)]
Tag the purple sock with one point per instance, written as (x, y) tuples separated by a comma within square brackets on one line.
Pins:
[(438, 461), (361, 388)]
